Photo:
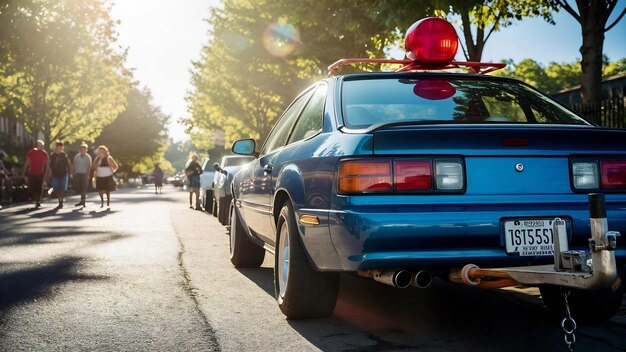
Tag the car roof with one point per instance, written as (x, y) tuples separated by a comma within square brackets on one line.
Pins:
[(413, 74)]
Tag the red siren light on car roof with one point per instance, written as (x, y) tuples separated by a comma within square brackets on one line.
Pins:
[(431, 40)]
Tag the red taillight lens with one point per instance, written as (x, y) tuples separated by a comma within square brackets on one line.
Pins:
[(431, 40), (363, 176), (414, 175), (613, 173)]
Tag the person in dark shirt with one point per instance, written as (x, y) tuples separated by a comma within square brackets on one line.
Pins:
[(193, 171), (60, 169), (158, 179)]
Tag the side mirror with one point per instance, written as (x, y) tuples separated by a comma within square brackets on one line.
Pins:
[(244, 147)]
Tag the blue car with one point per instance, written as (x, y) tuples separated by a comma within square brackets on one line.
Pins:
[(402, 176)]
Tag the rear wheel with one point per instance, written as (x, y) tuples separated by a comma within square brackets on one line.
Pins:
[(243, 253), (215, 206), (301, 291), (222, 210), (208, 201), (591, 306)]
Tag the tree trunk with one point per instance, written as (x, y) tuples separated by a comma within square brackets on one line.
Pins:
[(591, 64)]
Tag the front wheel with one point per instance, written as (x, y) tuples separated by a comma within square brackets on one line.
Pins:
[(591, 306), (301, 291), (243, 253)]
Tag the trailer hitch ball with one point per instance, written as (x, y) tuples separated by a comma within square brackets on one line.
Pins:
[(466, 275)]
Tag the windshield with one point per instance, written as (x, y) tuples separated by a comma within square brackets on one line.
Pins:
[(447, 100)]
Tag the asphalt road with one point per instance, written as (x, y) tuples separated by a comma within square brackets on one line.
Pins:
[(153, 275)]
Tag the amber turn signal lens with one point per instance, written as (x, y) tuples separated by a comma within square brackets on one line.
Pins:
[(364, 176)]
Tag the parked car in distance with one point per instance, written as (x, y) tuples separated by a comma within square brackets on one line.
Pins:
[(225, 171), (402, 176), (177, 180), (147, 179), (206, 185)]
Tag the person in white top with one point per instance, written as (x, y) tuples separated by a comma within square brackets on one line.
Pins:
[(104, 166)]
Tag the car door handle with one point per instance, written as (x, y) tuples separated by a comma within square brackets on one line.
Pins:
[(267, 168)]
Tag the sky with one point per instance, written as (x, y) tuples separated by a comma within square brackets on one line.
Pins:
[(163, 37)]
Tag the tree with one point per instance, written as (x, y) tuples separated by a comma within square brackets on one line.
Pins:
[(137, 137), (531, 72), (555, 76), (60, 72), (593, 16), (177, 153)]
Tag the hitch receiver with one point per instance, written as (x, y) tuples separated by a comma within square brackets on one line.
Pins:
[(576, 269)]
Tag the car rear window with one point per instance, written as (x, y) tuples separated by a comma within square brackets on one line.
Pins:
[(432, 100)]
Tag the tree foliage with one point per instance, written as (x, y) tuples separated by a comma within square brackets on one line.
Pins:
[(262, 53), (555, 76), (60, 74), (594, 19), (477, 19), (137, 137)]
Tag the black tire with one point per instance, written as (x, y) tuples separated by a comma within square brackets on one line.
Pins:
[(215, 206), (587, 306), (243, 253), (208, 201), (222, 210), (305, 292)]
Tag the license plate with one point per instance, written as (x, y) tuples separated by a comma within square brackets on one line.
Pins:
[(529, 237)]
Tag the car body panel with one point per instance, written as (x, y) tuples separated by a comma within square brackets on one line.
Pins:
[(404, 230)]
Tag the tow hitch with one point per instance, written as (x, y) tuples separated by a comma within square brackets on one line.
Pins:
[(595, 269), (574, 269)]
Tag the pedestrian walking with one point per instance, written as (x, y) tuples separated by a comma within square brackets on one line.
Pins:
[(193, 171), (80, 172), (104, 166), (157, 174), (34, 170), (60, 170)]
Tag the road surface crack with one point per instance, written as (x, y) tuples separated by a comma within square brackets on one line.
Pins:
[(191, 292)]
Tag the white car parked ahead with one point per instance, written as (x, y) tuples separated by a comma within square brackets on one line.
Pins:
[(206, 185)]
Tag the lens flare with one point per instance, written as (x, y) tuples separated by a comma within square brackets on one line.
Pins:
[(280, 39)]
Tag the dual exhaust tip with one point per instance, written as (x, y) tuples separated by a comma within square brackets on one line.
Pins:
[(400, 278)]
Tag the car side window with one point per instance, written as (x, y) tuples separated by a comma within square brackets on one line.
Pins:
[(312, 117), (278, 136)]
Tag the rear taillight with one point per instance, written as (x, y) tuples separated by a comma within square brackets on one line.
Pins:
[(585, 175), (613, 173), (358, 176), (449, 175), (607, 174), (420, 176), (412, 175)]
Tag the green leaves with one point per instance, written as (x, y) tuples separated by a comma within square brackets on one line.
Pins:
[(137, 136), (59, 73), (555, 76)]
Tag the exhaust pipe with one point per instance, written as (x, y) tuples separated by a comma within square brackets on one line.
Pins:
[(395, 278), (422, 279)]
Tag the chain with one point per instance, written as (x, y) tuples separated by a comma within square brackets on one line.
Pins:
[(568, 324)]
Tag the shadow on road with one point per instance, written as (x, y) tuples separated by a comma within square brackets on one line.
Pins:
[(262, 277), (26, 284)]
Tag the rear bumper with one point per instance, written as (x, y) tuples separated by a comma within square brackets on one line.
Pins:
[(370, 233)]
